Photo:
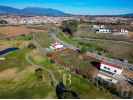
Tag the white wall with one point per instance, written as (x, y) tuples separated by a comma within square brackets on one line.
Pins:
[(107, 78), (111, 69)]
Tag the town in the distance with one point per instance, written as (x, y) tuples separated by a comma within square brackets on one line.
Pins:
[(65, 56)]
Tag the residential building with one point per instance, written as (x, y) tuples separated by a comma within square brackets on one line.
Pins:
[(121, 32), (103, 30), (110, 68), (110, 72)]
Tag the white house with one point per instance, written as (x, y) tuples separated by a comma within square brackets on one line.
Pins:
[(103, 30), (110, 72), (56, 46), (98, 26), (121, 32), (110, 68)]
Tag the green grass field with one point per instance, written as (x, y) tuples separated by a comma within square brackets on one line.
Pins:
[(84, 88), (18, 78), (25, 85), (15, 59)]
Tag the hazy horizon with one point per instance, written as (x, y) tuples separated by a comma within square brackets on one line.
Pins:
[(95, 7)]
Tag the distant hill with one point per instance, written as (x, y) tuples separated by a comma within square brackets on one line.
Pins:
[(128, 15), (32, 11), (9, 10), (29, 11)]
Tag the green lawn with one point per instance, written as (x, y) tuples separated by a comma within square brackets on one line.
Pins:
[(84, 88), (23, 83), (26, 87), (43, 39), (24, 37), (15, 59)]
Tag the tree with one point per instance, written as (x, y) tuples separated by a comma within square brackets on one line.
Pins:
[(39, 73), (69, 26), (31, 46)]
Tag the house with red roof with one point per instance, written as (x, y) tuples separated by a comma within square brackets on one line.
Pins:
[(110, 68), (110, 72)]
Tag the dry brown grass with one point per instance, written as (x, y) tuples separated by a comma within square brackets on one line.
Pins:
[(130, 35), (17, 30), (13, 30), (8, 74), (128, 73)]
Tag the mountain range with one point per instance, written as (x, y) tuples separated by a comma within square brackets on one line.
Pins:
[(31, 11), (36, 11)]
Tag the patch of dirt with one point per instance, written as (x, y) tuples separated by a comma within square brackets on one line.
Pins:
[(127, 73), (21, 75), (8, 74), (130, 35), (13, 73), (17, 30)]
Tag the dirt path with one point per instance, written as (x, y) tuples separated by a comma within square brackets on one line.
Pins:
[(51, 75)]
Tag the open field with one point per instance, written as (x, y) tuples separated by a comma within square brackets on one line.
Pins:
[(86, 30), (24, 84), (17, 30), (22, 81), (13, 43), (114, 49), (131, 35), (14, 30), (14, 59), (18, 78), (84, 88)]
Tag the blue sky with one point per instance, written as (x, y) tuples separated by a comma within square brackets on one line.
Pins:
[(92, 7)]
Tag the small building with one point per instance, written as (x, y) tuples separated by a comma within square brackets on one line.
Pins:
[(120, 32), (110, 68), (103, 30), (56, 46), (110, 72), (98, 26)]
